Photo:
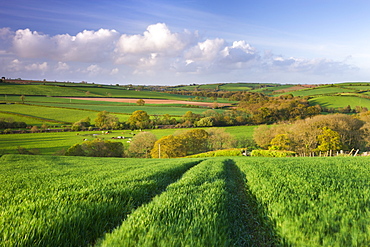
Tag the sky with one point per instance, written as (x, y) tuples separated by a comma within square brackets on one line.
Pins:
[(166, 42)]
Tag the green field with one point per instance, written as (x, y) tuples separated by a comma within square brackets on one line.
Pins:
[(128, 109), (69, 201), (340, 101), (321, 91), (236, 201), (50, 143), (52, 114), (83, 91)]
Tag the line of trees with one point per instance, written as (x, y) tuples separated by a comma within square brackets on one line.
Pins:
[(9, 123), (317, 134), (184, 143)]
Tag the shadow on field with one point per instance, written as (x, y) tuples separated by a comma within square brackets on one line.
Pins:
[(250, 224)]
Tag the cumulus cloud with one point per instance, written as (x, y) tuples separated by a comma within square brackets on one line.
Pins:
[(213, 56), (156, 47), (16, 65), (62, 66), (43, 67), (156, 39), (86, 46), (319, 66)]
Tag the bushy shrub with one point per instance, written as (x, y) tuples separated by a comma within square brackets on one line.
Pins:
[(272, 153), (96, 148)]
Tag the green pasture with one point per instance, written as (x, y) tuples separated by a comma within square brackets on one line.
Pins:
[(50, 143), (53, 142), (354, 84), (359, 88), (183, 88), (20, 118), (321, 91), (128, 109), (83, 91), (52, 114), (18, 89), (271, 89), (124, 93), (340, 101)]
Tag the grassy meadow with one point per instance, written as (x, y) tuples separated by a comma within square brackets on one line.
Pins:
[(340, 101)]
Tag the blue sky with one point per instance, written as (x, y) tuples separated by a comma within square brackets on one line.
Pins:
[(182, 42)]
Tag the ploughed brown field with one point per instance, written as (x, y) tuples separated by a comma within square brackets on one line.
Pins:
[(152, 101)]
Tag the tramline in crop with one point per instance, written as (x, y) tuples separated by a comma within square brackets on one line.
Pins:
[(64, 201)]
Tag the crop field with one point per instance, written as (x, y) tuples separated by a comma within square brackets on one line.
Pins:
[(321, 90), (64, 201), (128, 109), (340, 101), (229, 201), (52, 114), (314, 201), (271, 89), (236, 87), (49, 90)]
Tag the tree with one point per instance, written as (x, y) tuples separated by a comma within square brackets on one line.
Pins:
[(219, 139), (194, 141), (190, 116), (328, 140), (263, 135), (34, 129), (140, 102), (22, 97), (280, 142), (81, 124), (142, 144), (168, 147), (204, 122), (139, 120), (106, 121)]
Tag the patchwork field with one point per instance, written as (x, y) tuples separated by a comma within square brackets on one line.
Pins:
[(239, 201)]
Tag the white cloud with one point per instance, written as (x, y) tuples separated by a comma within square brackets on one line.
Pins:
[(208, 50), (14, 66), (319, 66), (157, 39), (94, 70), (86, 46), (6, 33), (43, 67), (114, 71), (62, 66), (18, 66)]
